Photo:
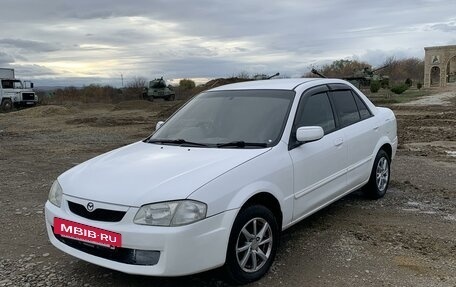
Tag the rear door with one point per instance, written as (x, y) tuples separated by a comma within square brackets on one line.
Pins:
[(319, 167), (360, 131)]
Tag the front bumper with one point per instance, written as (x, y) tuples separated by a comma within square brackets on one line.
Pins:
[(182, 250)]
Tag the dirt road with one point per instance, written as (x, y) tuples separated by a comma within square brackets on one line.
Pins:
[(406, 239)]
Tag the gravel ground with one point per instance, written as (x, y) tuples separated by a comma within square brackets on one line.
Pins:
[(405, 239)]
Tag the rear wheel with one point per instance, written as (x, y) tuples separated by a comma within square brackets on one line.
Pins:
[(7, 105), (380, 176), (170, 97), (252, 246)]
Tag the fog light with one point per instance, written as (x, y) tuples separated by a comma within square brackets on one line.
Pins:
[(146, 257)]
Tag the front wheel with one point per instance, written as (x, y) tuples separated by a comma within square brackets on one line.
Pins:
[(252, 246), (7, 105), (380, 176)]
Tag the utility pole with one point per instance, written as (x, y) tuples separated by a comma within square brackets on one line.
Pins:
[(121, 77)]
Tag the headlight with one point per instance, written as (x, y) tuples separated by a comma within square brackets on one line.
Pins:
[(55, 194), (171, 213)]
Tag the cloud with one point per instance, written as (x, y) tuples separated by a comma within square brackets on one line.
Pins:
[(33, 71), (5, 59), (29, 45), (98, 40), (445, 27)]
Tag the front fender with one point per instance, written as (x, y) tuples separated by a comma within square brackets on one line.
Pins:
[(271, 172)]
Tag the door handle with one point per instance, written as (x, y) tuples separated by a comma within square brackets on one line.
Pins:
[(338, 141), (376, 128)]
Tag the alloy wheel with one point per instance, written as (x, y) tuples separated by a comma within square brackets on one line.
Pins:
[(254, 245), (382, 174)]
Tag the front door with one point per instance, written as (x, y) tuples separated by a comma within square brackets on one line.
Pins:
[(319, 166)]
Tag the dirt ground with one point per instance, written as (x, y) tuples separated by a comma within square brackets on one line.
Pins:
[(406, 239)]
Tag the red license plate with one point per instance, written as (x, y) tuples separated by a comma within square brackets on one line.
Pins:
[(86, 233)]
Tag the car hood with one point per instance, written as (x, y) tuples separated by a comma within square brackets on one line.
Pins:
[(143, 173)]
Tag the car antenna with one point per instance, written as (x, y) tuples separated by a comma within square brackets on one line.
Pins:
[(314, 71)]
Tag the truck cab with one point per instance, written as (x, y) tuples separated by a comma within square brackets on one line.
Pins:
[(13, 93)]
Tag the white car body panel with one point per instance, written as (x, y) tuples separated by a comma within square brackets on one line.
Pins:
[(143, 173), (315, 179), (302, 179)]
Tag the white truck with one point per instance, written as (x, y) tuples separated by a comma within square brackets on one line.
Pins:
[(14, 92)]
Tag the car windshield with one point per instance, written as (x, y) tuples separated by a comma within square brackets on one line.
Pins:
[(243, 118), (11, 84)]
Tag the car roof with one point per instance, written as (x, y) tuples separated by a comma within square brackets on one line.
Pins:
[(275, 84)]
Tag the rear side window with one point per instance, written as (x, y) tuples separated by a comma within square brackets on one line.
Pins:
[(363, 110), (346, 108), (317, 112)]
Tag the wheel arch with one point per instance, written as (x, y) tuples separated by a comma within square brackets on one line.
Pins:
[(384, 144), (388, 149), (269, 201)]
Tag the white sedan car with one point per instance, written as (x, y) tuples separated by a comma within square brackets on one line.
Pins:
[(218, 181)]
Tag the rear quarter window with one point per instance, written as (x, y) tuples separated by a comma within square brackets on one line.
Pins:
[(363, 110)]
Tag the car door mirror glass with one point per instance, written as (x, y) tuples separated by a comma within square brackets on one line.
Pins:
[(309, 134)]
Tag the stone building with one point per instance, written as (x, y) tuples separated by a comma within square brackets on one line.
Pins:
[(439, 66)]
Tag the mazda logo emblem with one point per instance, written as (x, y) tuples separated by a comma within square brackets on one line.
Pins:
[(90, 206)]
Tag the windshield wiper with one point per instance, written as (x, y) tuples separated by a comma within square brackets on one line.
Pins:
[(176, 141), (241, 144)]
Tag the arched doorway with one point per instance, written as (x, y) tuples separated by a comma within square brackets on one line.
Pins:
[(451, 70), (435, 76)]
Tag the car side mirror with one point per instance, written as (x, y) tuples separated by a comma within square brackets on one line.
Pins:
[(158, 125), (309, 134)]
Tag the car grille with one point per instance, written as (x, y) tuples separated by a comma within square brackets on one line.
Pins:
[(98, 214), (122, 255), (28, 96)]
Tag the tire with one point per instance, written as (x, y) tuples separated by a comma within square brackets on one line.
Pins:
[(7, 105), (380, 176), (170, 97), (259, 249)]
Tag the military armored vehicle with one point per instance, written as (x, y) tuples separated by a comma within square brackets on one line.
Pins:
[(264, 77), (364, 77), (158, 89)]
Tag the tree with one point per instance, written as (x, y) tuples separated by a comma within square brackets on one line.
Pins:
[(375, 86), (135, 87), (409, 82), (186, 84), (137, 83), (399, 89), (401, 70)]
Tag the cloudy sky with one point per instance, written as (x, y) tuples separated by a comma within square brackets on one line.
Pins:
[(82, 42)]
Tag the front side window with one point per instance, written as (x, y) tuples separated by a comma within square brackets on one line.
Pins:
[(317, 111), (7, 84), (17, 84), (220, 117), (346, 108)]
